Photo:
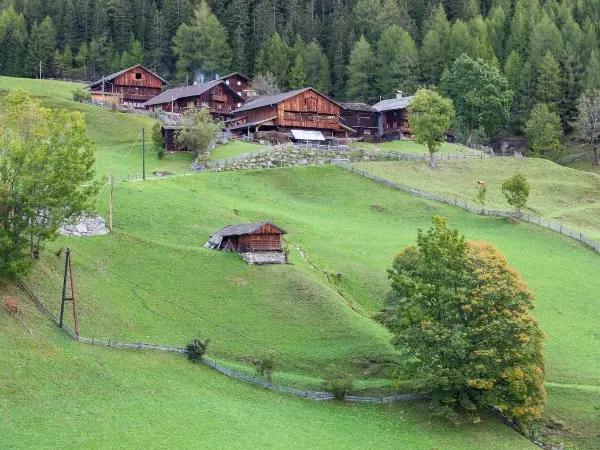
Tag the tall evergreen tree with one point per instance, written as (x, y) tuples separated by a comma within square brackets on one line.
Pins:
[(397, 62), (238, 29), (273, 57), (550, 83), (201, 46), (40, 49), (317, 68), (361, 73), (592, 71), (298, 73), (434, 50)]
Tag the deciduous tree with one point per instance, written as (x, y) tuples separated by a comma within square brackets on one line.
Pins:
[(46, 176), (543, 132), (516, 191), (429, 117), (480, 93), (462, 316), (196, 137), (588, 120)]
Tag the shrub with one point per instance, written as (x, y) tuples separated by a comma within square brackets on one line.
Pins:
[(196, 349), (160, 153), (265, 365), (11, 306), (338, 382), (80, 95), (516, 191)]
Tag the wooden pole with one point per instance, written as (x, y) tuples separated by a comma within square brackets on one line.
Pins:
[(143, 154), (73, 299), (110, 202)]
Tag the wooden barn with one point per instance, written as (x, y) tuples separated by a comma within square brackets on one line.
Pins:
[(240, 84), (251, 237), (131, 87), (393, 118), (360, 117), (303, 109), (216, 95)]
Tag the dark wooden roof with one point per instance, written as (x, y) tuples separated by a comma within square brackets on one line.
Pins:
[(234, 74), (247, 228), (271, 100), (121, 72), (188, 91), (358, 107)]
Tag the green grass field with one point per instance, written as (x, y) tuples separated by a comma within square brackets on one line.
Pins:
[(151, 280), (56, 393), (234, 148), (416, 149), (560, 194)]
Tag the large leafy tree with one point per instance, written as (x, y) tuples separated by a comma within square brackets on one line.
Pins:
[(587, 125), (361, 72), (429, 117), (462, 316), (434, 49), (480, 93), (202, 45), (197, 137), (46, 176), (274, 58), (543, 132)]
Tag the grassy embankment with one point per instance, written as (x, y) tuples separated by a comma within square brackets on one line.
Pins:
[(56, 393), (416, 149), (117, 135), (559, 194)]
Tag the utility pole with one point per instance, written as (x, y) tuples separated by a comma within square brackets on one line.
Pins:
[(110, 201), (69, 272), (143, 155)]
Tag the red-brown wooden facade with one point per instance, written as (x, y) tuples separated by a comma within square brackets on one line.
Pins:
[(134, 86)]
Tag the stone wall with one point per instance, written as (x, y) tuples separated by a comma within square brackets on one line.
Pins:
[(87, 226), (289, 157), (265, 257)]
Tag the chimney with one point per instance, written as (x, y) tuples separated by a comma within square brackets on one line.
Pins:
[(398, 94)]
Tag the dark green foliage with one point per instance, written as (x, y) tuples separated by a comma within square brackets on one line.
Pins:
[(461, 315), (544, 133), (158, 140), (338, 382), (265, 365), (81, 95), (516, 191), (196, 349)]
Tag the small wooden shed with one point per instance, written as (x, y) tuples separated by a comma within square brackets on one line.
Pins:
[(251, 237)]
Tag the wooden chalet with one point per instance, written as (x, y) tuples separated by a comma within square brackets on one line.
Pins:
[(251, 237), (240, 84), (216, 95), (393, 117), (300, 110), (131, 87), (360, 117)]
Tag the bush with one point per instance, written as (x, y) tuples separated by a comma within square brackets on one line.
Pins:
[(265, 365), (338, 382), (80, 95), (196, 349), (516, 191), (11, 306), (160, 153)]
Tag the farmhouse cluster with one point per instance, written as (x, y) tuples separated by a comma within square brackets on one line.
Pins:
[(302, 115)]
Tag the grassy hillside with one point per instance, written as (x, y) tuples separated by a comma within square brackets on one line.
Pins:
[(557, 193), (414, 148), (56, 393), (346, 225)]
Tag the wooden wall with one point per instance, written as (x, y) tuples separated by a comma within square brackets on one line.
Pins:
[(220, 101), (238, 83), (395, 121), (309, 110), (361, 121), (255, 115), (147, 79)]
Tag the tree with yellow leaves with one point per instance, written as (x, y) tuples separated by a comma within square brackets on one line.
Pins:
[(462, 317)]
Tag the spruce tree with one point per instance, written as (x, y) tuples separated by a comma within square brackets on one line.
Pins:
[(592, 71), (298, 73), (397, 62), (550, 83), (459, 41), (40, 49), (434, 49), (361, 73), (273, 58), (317, 68)]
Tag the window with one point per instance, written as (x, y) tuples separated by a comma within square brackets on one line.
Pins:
[(367, 131), (239, 83), (226, 81), (138, 76), (239, 105)]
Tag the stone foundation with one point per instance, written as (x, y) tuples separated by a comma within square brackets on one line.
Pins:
[(260, 258), (87, 226)]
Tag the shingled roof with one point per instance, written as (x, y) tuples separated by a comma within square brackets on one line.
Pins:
[(355, 106), (271, 100), (187, 91), (245, 228), (393, 103), (121, 72)]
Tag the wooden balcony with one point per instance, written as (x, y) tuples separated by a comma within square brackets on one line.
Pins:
[(219, 98), (308, 117)]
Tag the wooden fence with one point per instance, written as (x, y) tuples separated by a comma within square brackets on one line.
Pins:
[(479, 210)]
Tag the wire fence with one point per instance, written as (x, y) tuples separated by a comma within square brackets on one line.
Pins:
[(478, 210), (230, 372)]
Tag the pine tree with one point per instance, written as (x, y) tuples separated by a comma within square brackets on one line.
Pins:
[(397, 62), (40, 49), (237, 26), (434, 49), (550, 83), (496, 23), (366, 18), (201, 45), (273, 58), (361, 72), (298, 73), (545, 37), (394, 12), (157, 47), (592, 71), (459, 41)]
